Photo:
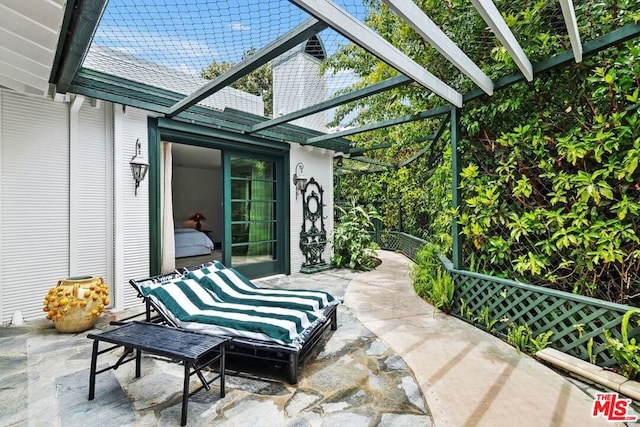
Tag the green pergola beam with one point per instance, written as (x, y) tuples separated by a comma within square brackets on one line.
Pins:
[(289, 40), (590, 48), (359, 151), (82, 27), (456, 197), (374, 89), (383, 124), (434, 139), (372, 162)]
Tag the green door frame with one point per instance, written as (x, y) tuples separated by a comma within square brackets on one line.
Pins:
[(162, 129), (282, 262)]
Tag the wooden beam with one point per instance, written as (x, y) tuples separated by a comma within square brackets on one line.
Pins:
[(424, 26), (365, 37), (492, 17), (274, 49), (382, 124), (373, 89), (572, 28)]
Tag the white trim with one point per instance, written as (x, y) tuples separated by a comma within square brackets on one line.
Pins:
[(572, 28), (118, 208), (423, 25), (365, 37), (110, 203), (74, 184), (493, 18)]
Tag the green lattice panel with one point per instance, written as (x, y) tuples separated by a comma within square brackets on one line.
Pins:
[(401, 242), (573, 319)]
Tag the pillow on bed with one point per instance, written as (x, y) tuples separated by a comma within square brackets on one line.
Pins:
[(193, 307), (231, 286)]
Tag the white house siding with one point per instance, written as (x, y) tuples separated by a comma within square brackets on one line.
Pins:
[(132, 228), (67, 198), (318, 164), (34, 183), (68, 204), (90, 176)]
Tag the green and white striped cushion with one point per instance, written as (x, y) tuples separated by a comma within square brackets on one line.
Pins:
[(231, 286), (196, 308)]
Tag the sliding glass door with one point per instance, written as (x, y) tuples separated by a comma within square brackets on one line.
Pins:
[(256, 217)]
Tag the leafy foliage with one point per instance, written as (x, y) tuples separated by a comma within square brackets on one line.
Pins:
[(550, 177), (521, 337), (554, 199), (625, 352), (430, 280), (353, 244)]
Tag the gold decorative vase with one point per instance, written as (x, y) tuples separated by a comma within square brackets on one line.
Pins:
[(76, 303)]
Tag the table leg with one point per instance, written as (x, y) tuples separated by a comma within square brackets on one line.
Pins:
[(92, 372), (138, 361), (185, 393), (222, 363)]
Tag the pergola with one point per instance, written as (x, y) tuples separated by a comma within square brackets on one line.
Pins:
[(97, 40)]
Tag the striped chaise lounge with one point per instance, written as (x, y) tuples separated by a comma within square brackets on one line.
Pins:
[(278, 325)]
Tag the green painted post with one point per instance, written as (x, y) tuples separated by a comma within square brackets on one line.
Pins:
[(155, 251), (455, 169)]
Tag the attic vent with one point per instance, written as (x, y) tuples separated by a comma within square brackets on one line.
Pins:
[(314, 48)]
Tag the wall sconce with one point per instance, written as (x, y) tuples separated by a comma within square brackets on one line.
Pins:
[(139, 166), (339, 162), (197, 217), (298, 178)]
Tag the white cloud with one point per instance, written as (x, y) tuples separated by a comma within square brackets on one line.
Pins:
[(240, 26)]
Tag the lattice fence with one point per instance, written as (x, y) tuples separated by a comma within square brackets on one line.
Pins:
[(574, 319)]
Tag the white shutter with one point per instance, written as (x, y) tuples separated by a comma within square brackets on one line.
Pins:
[(35, 201), (91, 173), (135, 225)]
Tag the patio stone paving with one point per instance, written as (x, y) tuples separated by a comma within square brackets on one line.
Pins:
[(351, 378)]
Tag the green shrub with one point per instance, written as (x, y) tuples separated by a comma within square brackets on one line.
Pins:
[(430, 280), (521, 337), (353, 244), (627, 352)]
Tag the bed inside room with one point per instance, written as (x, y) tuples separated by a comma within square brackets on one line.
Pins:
[(190, 242), (197, 204)]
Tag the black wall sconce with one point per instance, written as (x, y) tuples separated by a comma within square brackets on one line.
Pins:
[(299, 181), (139, 166)]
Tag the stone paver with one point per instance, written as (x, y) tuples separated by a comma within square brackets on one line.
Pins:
[(469, 377), (393, 362), (351, 378)]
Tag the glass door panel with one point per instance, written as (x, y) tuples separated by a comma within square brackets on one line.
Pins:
[(253, 213)]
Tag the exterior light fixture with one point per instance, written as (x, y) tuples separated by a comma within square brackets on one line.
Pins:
[(339, 162), (298, 178), (139, 166), (197, 217)]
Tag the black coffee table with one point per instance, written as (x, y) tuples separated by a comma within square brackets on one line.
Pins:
[(194, 350)]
